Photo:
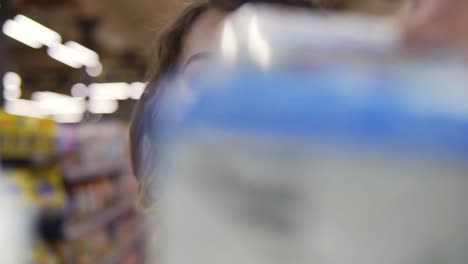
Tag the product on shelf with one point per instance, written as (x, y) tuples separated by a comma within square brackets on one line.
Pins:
[(16, 221), (77, 177), (24, 138), (92, 197), (91, 150)]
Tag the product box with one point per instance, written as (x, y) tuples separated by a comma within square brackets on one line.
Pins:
[(311, 139), (287, 167)]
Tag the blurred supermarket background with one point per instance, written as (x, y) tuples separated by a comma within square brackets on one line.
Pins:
[(73, 166), (72, 71)]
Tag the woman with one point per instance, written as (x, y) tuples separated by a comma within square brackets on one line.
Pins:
[(182, 47)]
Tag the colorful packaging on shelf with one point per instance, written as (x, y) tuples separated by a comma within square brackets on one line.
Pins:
[(16, 225), (72, 175), (91, 150), (26, 138)]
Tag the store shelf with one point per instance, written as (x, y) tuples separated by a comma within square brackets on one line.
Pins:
[(90, 173), (116, 254), (27, 161), (68, 170), (78, 230)]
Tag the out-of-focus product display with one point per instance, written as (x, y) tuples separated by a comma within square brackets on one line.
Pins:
[(26, 138), (15, 224), (75, 179), (335, 160), (318, 172)]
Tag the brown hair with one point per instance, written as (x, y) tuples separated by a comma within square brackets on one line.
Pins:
[(170, 43), (172, 38)]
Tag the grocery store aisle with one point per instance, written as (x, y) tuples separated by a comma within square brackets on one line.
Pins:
[(78, 180), (70, 75)]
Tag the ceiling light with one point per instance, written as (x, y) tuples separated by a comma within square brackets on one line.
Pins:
[(57, 104), (11, 94), (94, 71), (76, 56), (83, 55), (24, 108), (68, 118), (12, 86), (15, 31), (103, 106), (136, 90), (11, 79), (109, 91), (39, 32), (79, 90), (49, 96), (65, 55)]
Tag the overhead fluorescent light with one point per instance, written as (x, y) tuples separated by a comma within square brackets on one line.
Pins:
[(109, 91), (76, 56), (11, 94), (12, 86), (83, 55), (68, 118), (79, 90), (65, 55), (58, 104), (116, 91), (24, 108), (50, 96), (136, 90), (94, 71), (62, 108), (40, 33), (36, 35), (11, 79), (102, 106), (15, 31)]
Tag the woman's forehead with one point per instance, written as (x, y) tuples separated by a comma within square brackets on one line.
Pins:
[(201, 37)]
